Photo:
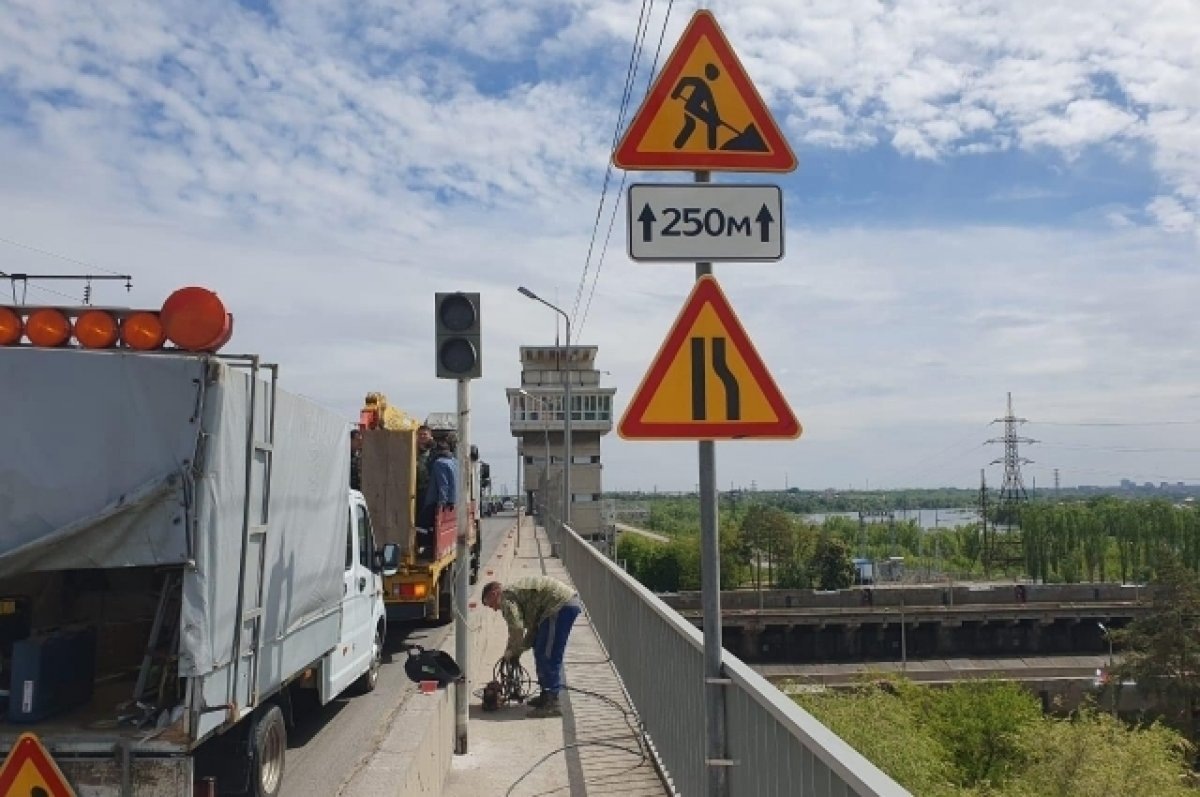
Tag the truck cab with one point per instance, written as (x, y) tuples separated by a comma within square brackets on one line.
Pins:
[(357, 659)]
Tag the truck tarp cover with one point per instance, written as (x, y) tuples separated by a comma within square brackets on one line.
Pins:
[(95, 472)]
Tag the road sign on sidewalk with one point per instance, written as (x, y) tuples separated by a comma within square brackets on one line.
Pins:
[(703, 113), (705, 221), (707, 382), (29, 769)]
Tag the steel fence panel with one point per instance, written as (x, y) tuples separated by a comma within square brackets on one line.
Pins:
[(778, 748)]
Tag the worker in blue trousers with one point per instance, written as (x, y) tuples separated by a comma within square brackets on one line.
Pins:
[(539, 612)]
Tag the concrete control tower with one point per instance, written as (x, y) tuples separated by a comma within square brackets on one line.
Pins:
[(537, 420)]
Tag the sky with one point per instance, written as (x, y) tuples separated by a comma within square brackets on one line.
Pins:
[(993, 196)]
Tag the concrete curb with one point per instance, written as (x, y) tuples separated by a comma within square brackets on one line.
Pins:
[(415, 756)]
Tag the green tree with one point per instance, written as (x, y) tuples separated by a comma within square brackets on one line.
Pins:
[(794, 556), (831, 565), (765, 531), (980, 724), (890, 734), (1095, 755), (1162, 648)]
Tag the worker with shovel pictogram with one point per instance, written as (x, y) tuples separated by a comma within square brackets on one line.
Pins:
[(701, 105)]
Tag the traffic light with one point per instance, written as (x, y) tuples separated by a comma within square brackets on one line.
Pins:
[(456, 322)]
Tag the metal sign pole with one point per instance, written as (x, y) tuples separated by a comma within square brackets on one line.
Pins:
[(462, 583), (710, 599)]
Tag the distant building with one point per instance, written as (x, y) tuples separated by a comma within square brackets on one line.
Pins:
[(538, 421)]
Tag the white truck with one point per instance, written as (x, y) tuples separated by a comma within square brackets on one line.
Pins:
[(181, 559)]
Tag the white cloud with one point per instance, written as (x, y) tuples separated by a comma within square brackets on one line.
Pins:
[(328, 166)]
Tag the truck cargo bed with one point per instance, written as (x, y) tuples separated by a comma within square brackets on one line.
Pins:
[(93, 727)]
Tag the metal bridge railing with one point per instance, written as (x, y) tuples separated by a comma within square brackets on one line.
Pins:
[(776, 747)]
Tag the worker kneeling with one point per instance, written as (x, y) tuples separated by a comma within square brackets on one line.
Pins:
[(539, 612)]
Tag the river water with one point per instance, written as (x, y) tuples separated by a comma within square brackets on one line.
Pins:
[(926, 518)]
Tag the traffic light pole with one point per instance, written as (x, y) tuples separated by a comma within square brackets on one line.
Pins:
[(462, 573)]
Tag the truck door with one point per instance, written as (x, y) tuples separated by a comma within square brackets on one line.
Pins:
[(353, 656)]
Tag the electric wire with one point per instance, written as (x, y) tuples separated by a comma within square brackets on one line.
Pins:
[(26, 286), (624, 176), (55, 255), (51, 291), (1116, 423), (1119, 449), (639, 37), (631, 720)]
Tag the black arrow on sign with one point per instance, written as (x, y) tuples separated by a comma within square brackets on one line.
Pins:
[(647, 218), (764, 219)]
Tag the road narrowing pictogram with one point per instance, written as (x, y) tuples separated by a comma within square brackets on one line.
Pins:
[(707, 381)]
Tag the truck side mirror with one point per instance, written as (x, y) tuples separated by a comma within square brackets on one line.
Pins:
[(389, 559)]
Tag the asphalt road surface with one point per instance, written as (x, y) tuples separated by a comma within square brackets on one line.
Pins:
[(331, 742)]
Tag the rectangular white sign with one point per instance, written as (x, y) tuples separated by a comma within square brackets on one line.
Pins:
[(705, 222)]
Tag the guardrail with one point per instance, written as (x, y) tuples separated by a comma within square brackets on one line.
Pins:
[(776, 747)]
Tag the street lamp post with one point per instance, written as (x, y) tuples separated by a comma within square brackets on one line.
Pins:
[(1107, 636), (545, 432), (1114, 683), (566, 511)]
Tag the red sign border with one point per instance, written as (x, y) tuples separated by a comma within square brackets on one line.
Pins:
[(627, 157), (29, 748), (707, 291)]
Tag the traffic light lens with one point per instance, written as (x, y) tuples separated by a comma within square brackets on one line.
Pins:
[(457, 355), (457, 314)]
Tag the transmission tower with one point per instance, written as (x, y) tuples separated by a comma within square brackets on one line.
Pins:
[(1006, 525)]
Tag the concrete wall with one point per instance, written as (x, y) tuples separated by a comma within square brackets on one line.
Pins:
[(933, 595)]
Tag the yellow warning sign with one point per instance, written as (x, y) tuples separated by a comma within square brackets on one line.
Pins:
[(29, 771), (703, 113), (707, 381)]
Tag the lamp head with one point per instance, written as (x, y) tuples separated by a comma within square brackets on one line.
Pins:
[(526, 292)]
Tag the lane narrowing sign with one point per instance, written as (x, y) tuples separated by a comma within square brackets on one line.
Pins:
[(707, 382)]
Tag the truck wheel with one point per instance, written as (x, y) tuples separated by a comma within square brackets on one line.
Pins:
[(445, 598), (476, 549), (370, 679), (269, 737)]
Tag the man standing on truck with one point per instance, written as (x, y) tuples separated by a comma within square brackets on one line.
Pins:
[(539, 612), (424, 450), (425, 446), (441, 491)]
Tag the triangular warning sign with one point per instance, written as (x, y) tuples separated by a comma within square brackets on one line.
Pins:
[(707, 382), (29, 771), (703, 113)]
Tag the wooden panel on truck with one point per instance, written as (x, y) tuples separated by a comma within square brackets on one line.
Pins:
[(389, 482)]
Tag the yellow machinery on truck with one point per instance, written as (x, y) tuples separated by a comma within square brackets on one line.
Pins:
[(385, 464)]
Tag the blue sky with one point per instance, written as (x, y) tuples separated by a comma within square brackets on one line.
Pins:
[(993, 196)]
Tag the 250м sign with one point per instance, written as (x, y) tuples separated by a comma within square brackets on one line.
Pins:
[(705, 221)]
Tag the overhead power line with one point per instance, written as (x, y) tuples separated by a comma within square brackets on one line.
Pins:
[(1115, 423), (57, 256), (630, 80)]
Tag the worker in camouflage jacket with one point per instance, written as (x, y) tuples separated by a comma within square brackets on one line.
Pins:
[(539, 612)]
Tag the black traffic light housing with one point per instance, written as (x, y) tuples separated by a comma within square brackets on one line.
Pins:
[(458, 352)]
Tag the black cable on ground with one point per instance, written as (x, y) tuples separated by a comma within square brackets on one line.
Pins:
[(641, 752), (631, 720)]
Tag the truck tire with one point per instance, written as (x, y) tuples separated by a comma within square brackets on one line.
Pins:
[(370, 679), (445, 599), (475, 552), (269, 740)]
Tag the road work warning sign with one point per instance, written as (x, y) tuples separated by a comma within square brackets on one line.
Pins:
[(703, 113)]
